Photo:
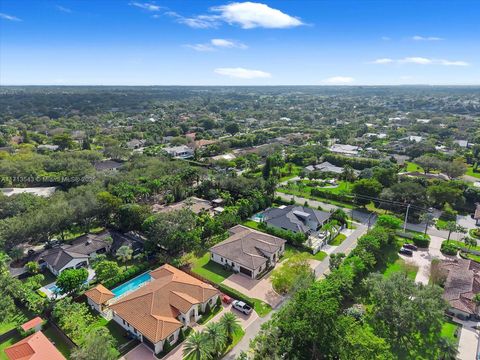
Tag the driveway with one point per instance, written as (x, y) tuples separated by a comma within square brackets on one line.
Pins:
[(259, 289), (468, 342)]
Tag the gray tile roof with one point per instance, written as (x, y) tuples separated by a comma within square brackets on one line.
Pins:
[(291, 218), (247, 247)]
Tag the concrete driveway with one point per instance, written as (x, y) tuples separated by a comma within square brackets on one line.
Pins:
[(259, 289)]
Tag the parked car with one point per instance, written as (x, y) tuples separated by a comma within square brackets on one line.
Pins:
[(410, 247), (226, 299), (405, 251), (242, 307)]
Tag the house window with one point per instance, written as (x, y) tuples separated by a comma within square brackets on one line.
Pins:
[(171, 337), (124, 322), (221, 259)]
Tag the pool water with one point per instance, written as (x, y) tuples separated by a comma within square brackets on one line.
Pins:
[(132, 284), (258, 217), (53, 288)]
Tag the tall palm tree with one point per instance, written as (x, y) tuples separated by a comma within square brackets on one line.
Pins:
[(427, 218), (197, 346), (230, 324), (448, 349), (124, 253), (217, 337)]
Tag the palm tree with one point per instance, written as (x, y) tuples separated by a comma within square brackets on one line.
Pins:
[(448, 349), (197, 346), (230, 324), (217, 337), (452, 226), (124, 253), (427, 218)]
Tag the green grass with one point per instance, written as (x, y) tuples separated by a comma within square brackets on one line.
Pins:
[(398, 266), (440, 224), (213, 312), (295, 172), (448, 330), (8, 342), (412, 167), (210, 270), (60, 344), (470, 172), (472, 233), (18, 319), (261, 307), (251, 224), (338, 239), (319, 256), (342, 188), (462, 245), (308, 196), (291, 251), (237, 336), (473, 257)]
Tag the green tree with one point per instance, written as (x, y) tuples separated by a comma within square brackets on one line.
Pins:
[(448, 349), (197, 346), (124, 254), (295, 273), (217, 337), (32, 267), (232, 128), (389, 221), (336, 260), (97, 344), (71, 280), (364, 189), (105, 270), (230, 325), (452, 226)]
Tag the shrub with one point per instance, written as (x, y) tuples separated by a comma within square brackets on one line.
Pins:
[(297, 239), (448, 213), (448, 248), (421, 241)]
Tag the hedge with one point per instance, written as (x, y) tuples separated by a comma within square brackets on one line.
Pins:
[(297, 239), (236, 294), (332, 196), (356, 163), (131, 272), (418, 239)]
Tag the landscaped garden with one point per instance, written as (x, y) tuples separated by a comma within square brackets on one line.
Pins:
[(401, 265), (338, 239)]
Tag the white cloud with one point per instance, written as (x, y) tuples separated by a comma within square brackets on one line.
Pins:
[(9, 17), (251, 15), (416, 60), (383, 61), (146, 6), (201, 47), (339, 80), (426, 38), (242, 73), (452, 63), (386, 38), (421, 61), (215, 44), (225, 43), (63, 9), (247, 15)]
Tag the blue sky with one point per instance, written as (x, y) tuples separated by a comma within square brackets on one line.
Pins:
[(194, 42)]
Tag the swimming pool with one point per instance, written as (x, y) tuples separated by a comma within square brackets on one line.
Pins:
[(258, 217), (132, 284), (53, 288)]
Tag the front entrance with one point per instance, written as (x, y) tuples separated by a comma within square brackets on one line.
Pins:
[(246, 271)]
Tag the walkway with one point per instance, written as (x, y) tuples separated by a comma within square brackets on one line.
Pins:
[(468, 342)]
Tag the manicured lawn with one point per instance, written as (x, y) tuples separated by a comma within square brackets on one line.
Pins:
[(251, 224), (473, 257), (412, 167), (440, 224), (213, 312), (462, 245), (338, 239), (237, 336), (308, 196), (448, 330), (472, 233), (291, 251), (342, 188), (319, 256), (60, 344), (262, 308), (8, 342), (400, 265), (210, 270)]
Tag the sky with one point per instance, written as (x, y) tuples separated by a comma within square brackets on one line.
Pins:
[(196, 42)]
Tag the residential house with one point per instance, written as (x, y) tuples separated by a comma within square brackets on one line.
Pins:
[(181, 151), (76, 254), (343, 149), (326, 167), (248, 251), (107, 165), (193, 203), (34, 324), (33, 347), (299, 219), (39, 191), (135, 144), (461, 285), (46, 147), (156, 312)]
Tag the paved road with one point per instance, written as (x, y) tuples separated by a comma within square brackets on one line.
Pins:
[(252, 330)]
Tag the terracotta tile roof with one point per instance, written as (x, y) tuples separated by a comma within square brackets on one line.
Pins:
[(463, 282), (99, 294), (34, 347), (153, 308), (30, 324)]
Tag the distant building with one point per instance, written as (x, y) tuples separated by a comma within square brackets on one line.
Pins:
[(462, 143), (327, 168), (107, 165), (193, 203), (47, 147), (343, 149), (135, 143), (39, 191), (181, 151)]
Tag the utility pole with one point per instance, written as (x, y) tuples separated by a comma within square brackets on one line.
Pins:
[(406, 217)]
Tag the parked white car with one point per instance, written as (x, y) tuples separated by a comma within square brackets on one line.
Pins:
[(242, 307)]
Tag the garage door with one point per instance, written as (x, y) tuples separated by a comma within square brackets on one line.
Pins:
[(245, 271)]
